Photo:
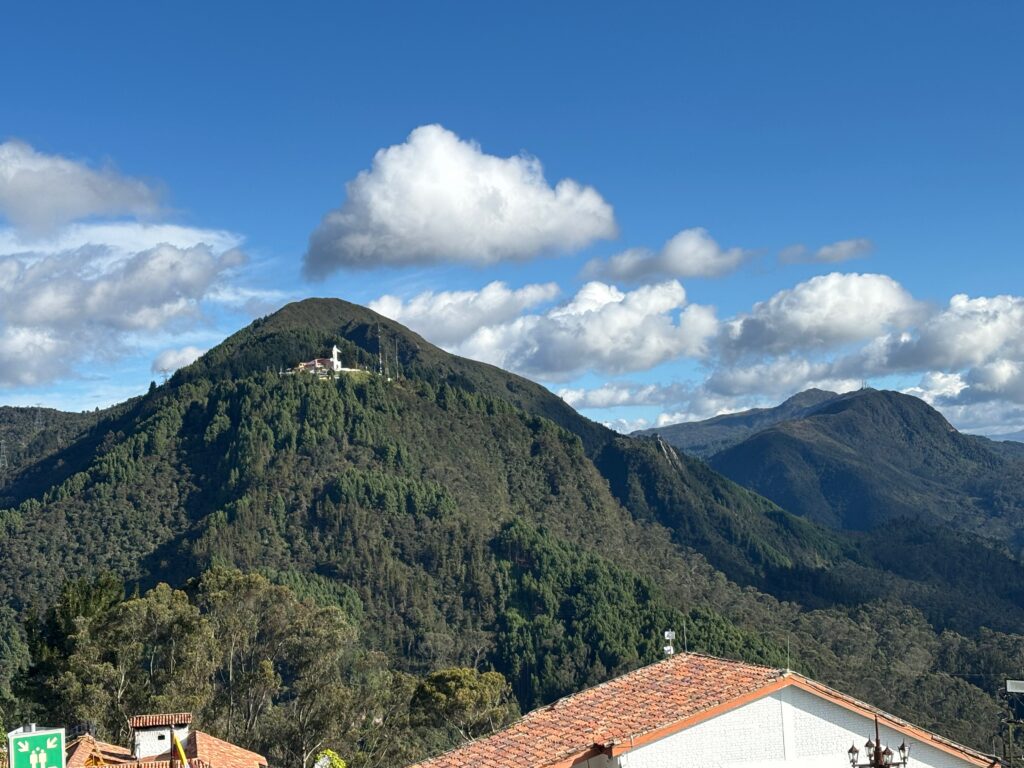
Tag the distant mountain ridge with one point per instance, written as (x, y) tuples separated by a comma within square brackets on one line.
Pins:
[(708, 437), (859, 460)]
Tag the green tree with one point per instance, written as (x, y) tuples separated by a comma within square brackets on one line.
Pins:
[(152, 653), (463, 704), (328, 758)]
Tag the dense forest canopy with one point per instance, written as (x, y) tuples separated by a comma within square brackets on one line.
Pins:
[(386, 565)]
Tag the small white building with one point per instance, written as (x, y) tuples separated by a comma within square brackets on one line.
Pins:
[(151, 734), (694, 711)]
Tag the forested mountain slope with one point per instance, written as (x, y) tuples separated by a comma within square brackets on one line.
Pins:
[(871, 456), (462, 516), (28, 434)]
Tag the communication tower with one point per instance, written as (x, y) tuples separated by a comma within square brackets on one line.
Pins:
[(669, 648)]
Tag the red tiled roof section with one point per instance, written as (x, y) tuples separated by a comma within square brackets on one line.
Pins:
[(87, 751), (155, 721), (209, 750), (637, 703), (221, 754)]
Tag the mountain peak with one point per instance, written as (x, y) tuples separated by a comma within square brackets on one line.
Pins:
[(871, 456), (308, 329), (807, 398), (704, 438)]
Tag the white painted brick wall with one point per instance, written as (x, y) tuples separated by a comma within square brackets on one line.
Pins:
[(157, 740), (787, 729)]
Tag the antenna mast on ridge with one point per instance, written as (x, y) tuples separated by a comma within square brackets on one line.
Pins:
[(3, 455), (669, 648)]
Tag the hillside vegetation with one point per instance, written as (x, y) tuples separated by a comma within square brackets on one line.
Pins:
[(455, 517), (870, 457)]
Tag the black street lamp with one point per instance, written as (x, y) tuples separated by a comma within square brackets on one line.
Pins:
[(877, 757)]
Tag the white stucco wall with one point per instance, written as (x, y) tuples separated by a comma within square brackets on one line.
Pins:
[(156, 741), (790, 728)]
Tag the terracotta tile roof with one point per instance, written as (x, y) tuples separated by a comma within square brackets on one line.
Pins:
[(221, 754), (648, 704), (614, 712), (154, 721), (210, 751), (88, 751)]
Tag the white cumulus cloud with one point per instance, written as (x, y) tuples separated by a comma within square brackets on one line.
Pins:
[(601, 328), (823, 312), (620, 394), (39, 191), (117, 239), (437, 198), (777, 378), (690, 253), (170, 360), (449, 317), (59, 309), (968, 332)]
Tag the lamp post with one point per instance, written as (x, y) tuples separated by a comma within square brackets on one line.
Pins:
[(877, 757)]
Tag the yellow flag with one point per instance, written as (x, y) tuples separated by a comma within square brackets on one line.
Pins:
[(181, 749)]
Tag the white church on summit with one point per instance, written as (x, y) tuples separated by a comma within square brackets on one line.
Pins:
[(695, 711), (330, 364)]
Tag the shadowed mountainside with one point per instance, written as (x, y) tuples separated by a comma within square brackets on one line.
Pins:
[(868, 457)]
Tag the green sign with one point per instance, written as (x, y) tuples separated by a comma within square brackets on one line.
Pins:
[(36, 749)]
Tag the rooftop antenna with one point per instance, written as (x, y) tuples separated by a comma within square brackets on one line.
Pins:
[(669, 649), (380, 353), (4, 463)]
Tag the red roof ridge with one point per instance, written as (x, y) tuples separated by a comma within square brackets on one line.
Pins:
[(667, 661), (161, 719)]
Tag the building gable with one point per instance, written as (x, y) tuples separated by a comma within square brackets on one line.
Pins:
[(791, 727)]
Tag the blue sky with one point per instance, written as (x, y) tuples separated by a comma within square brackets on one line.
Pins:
[(888, 131)]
